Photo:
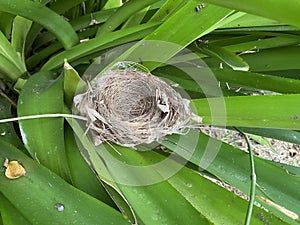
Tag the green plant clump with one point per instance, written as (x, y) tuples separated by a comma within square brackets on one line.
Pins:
[(237, 62)]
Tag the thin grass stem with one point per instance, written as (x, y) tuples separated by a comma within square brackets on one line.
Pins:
[(252, 177), (54, 115)]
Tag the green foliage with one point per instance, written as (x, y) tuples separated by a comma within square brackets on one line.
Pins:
[(250, 57)]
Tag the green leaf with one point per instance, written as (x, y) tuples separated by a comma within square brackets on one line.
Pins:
[(269, 111), (62, 6), (186, 31), (44, 198), (72, 83), (255, 80), (233, 39), (42, 15), (122, 14), (40, 56), (269, 8), (99, 43), (249, 20), (263, 43), (19, 85), (284, 58), (91, 157), (19, 34), (167, 9), (6, 23), (86, 20), (235, 80), (265, 60), (58, 7), (280, 134), (190, 188), (231, 59), (78, 24), (10, 59), (44, 138), (179, 34), (8, 71), (157, 197), (10, 215), (279, 28), (112, 4), (136, 18), (7, 131), (260, 140), (209, 199), (94, 5), (202, 83), (231, 165), (82, 176)]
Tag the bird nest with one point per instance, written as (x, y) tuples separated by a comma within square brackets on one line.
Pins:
[(129, 106)]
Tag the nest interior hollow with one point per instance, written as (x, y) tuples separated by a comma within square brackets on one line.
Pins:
[(130, 106)]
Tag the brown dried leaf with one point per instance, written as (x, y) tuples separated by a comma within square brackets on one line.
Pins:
[(14, 169)]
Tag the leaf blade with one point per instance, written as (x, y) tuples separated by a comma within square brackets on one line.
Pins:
[(231, 165), (43, 190), (42, 15), (263, 9), (269, 111), (44, 138)]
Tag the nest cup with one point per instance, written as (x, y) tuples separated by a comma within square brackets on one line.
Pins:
[(129, 106)]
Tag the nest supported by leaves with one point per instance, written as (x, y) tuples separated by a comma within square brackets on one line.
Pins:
[(129, 106)]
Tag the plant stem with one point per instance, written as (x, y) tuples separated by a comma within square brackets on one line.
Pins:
[(252, 177), (8, 98), (42, 116)]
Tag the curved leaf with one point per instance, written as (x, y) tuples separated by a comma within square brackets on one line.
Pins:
[(180, 34), (6, 23), (42, 15), (123, 13), (62, 6), (7, 131), (231, 165), (151, 203), (82, 176), (44, 138), (167, 9), (19, 33), (99, 43), (279, 134), (72, 83), (236, 79), (10, 63), (231, 59), (210, 198), (44, 198), (268, 8), (10, 215)]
